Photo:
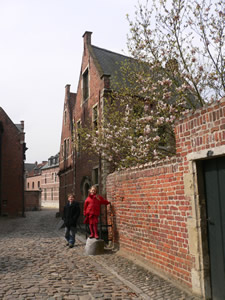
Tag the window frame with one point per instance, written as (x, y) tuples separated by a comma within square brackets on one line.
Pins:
[(95, 116), (85, 84), (78, 125)]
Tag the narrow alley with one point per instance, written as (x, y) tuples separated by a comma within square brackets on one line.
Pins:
[(35, 263)]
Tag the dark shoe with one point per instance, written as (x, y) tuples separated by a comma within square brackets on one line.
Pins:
[(71, 245), (67, 244), (91, 237)]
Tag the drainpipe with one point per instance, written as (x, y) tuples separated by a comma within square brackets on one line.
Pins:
[(23, 174), (24, 149)]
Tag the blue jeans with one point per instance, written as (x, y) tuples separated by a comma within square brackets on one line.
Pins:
[(70, 233)]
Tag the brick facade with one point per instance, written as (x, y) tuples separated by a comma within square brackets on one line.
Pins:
[(83, 114), (50, 181), (12, 148), (33, 177), (80, 170), (32, 200), (66, 156), (159, 214)]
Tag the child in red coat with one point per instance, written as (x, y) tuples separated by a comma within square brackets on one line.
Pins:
[(92, 207)]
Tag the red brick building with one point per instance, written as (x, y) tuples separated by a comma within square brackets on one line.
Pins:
[(66, 157), (33, 185), (33, 176), (78, 171), (170, 215), (12, 149)]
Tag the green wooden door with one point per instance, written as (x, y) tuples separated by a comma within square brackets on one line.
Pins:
[(214, 175)]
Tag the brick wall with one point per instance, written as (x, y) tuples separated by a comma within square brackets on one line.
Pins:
[(33, 183), (11, 167), (32, 200), (153, 207), (151, 214), (201, 131)]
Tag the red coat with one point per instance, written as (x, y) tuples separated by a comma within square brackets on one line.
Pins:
[(92, 205)]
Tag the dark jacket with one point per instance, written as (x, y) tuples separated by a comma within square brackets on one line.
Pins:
[(71, 214)]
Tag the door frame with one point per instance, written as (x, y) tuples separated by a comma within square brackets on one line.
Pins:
[(197, 223)]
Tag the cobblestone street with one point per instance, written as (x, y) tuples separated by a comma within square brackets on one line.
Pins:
[(35, 263)]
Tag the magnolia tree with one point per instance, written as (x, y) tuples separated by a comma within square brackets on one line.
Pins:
[(177, 64)]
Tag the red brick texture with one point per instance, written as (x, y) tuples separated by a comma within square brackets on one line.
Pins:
[(77, 169), (83, 113), (12, 189), (150, 207), (32, 200), (66, 172)]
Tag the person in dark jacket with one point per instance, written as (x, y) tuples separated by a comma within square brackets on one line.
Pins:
[(71, 213)]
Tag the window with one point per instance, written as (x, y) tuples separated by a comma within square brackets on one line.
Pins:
[(64, 155), (32, 185), (39, 184), (95, 116), (45, 179), (55, 177), (78, 138), (95, 176), (85, 85), (86, 190), (52, 193), (64, 116), (67, 147), (62, 150), (85, 186), (28, 185)]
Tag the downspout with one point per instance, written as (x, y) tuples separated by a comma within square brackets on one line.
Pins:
[(23, 196), (100, 157), (23, 174), (23, 152), (74, 170)]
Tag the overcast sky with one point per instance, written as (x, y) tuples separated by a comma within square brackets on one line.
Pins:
[(41, 48)]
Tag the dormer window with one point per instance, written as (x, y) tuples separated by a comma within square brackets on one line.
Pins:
[(85, 85)]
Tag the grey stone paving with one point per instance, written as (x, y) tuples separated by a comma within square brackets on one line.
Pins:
[(35, 263)]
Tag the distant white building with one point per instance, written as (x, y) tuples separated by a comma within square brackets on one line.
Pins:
[(50, 182)]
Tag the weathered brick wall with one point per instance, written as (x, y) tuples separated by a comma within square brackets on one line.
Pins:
[(152, 209), (201, 131), (32, 200), (11, 167), (151, 212)]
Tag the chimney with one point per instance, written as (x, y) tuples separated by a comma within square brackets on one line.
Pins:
[(87, 37), (22, 125), (67, 89)]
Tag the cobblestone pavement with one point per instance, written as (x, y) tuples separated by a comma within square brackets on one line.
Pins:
[(35, 263)]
